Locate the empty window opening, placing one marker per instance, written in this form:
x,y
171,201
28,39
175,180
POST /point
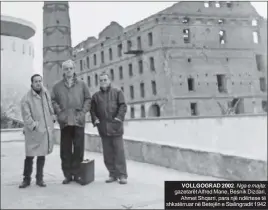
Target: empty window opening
x,y
236,106
112,74
130,70
131,92
95,59
139,42
221,81
102,57
220,21
129,45
185,20
229,4
217,4
132,112
206,4
186,35
142,90
142,111
110,54
154,88
193,107
81,65
121,72
119,50
102,44
191,86
138,29
87,62
140,66
262,84
150,39
154,111
255,37
259,61
58,21
222,36
96,80
152,66
14,47
189,60
264,106
88,81
122,88
254,22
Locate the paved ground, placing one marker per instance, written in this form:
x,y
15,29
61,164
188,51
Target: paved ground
x,y
145,189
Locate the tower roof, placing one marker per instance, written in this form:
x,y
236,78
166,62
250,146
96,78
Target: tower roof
x,y
16,27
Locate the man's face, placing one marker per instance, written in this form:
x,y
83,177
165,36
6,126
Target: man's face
x,y
37,83
104,81
68,69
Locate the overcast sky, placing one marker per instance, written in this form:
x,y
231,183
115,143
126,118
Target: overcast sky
x,y
89,18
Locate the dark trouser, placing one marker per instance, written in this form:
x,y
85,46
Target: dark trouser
x,y
71,150
28,168
114,156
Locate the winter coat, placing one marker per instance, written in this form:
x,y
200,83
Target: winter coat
x,y
106,106
71,103
37,114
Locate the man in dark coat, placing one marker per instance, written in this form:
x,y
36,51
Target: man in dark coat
x,y
71,101
108,110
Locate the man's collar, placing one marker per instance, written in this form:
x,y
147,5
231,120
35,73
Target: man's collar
x,y
107,89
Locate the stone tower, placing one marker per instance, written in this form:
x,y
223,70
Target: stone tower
x,y
57,44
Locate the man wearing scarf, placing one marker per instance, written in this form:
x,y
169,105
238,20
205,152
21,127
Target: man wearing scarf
x,y
38,116
71,101
108,112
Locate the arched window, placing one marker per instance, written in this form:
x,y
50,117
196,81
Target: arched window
x,y
154,111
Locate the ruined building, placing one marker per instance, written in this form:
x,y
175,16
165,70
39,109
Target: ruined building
x,y
57,45
193,58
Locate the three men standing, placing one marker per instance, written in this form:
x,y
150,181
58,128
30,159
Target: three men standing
x,y
71,101
108,110
37,114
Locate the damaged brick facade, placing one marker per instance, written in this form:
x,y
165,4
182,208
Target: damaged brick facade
x,y
193,58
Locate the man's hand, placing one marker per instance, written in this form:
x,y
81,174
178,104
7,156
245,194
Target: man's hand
x,y
96,122
54,118
117,119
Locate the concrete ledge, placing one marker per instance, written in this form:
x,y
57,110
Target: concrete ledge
x,y
186,160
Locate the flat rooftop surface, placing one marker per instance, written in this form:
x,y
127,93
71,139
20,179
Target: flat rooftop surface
x,y
145,188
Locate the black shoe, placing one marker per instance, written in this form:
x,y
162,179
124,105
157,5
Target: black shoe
x,y
111,179
24,184
41,183
67,180
122,180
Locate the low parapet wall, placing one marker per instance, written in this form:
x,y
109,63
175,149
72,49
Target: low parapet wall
x,y
240,145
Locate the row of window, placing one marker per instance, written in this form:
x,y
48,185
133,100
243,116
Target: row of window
x,y
221,84
111,54
154,110
218,4
222,36
121,74
30,50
